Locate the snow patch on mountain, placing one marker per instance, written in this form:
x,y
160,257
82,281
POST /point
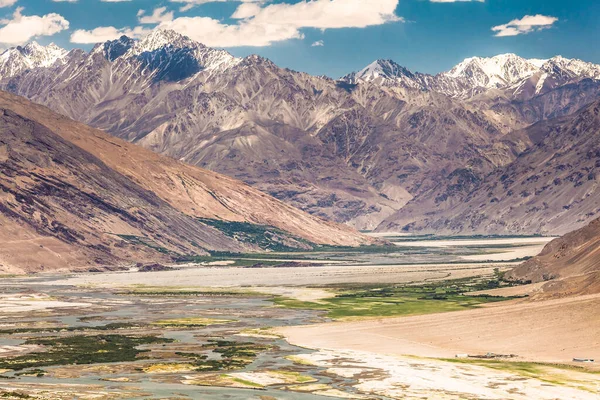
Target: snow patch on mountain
x,y
386,72
494,72
165,55
18,59
476,75
160,38
538,62
169,42
571,67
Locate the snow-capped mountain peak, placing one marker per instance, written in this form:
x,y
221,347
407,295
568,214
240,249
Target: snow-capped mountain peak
x,y
493,72
571,67
161,38
42,56
476,75
386,69
387,72
33,55
170,46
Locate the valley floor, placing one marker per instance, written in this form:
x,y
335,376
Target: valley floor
x,y
241,329
278,276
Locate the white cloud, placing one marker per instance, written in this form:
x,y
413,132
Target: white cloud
x,y
527,24
75,1
22,28
456,1
318,43
212,32
246,10
159,15
7,3
198,2
262,26
105,33
191,3
326,14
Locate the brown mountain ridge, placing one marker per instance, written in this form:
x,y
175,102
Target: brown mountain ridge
x,y
73,196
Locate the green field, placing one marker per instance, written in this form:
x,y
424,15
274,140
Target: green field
x,y
81,350
403,300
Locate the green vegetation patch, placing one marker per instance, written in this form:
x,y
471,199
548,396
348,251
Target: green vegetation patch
x,y
191,322
293,377
15,395
299,360
113,326
81,350
264,332
221,380
233,349
264,236
238,259
179,291
32,372
233,355
245,382
393,301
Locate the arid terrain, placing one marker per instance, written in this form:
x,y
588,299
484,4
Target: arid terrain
x,y
182,217
337,323
74,197
553,331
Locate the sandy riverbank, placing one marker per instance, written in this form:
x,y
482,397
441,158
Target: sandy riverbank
x,y
401,377
461,242
552,331
400,357
204,276
510,254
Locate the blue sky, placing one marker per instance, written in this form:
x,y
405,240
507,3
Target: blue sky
x,y
423,35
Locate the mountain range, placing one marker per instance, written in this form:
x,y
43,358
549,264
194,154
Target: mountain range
x,y
73,198
381,148
515,76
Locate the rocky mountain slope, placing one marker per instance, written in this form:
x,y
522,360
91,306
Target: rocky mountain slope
x,y
73,196
355,150
570,264
551,187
